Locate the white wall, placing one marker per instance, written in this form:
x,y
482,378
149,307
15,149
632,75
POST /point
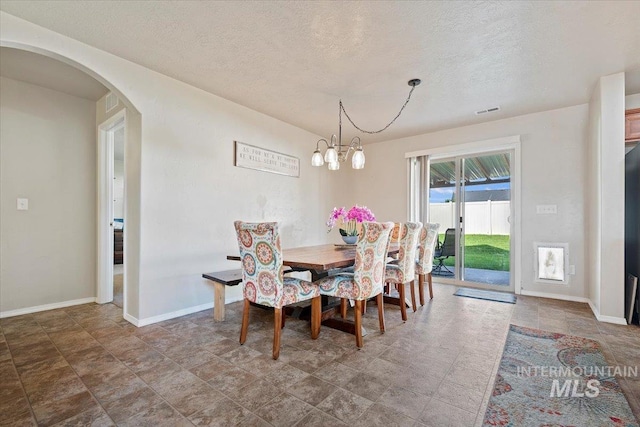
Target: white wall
x,y
47,154
132,150
190,192
183,191
632,102
553,172
118,175
118,189
605,227
593,225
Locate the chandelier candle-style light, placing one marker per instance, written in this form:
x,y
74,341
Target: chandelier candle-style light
x,y
338,152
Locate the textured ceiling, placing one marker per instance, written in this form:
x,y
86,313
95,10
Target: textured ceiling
x,y
39,70
295,60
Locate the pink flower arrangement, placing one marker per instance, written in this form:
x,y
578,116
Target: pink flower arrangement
x,y
349,219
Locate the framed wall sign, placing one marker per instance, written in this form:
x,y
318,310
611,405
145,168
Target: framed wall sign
x,y
252,157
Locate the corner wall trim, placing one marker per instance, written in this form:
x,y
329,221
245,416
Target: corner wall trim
x,y
129,318
607,319
45,307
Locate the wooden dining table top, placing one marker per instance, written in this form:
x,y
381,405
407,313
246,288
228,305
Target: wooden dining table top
x,y
320,257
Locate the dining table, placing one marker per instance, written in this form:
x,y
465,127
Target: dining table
x,y
320,261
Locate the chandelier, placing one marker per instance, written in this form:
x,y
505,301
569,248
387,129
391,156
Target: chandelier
x,y
338,152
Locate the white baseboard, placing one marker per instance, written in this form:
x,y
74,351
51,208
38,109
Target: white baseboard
x,y
172,315
555,296
129,318
166,316
45,307
607,319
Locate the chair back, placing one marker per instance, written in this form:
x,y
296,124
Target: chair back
x,y
448,247
396,231
409,234
261,257
428,239
371,255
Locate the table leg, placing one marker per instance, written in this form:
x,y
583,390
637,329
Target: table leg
x,y
331,316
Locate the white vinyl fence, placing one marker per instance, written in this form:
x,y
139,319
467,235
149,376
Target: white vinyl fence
x,y
481,217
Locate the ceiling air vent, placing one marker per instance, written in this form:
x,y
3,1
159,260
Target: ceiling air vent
x,y
488,110
111,101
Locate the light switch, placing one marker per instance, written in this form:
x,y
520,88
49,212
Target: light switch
x,y
572,270
23,204
546,209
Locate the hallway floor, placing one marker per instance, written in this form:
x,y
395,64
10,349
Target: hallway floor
x,y
85,364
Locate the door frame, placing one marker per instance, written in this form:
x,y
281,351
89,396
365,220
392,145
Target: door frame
x,y
105,174
509,143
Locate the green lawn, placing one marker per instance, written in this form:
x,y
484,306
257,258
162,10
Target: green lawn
x,y
486,252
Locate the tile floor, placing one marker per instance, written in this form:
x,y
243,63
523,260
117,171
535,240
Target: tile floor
x,y
84,365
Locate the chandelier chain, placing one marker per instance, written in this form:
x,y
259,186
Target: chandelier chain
x,y
342,110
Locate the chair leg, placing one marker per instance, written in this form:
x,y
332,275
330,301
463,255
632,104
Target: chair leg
x,y
380,303
421,288
343,307
277,330
364,306
245,321
429,279
403,303
413,296
358,322
316,317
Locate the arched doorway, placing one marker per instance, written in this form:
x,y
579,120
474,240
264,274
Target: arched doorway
x,y
57,297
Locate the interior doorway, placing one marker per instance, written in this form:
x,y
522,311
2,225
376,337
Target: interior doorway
x,y
118,213
111,210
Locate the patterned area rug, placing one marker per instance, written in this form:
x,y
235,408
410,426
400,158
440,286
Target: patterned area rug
x,y
549,379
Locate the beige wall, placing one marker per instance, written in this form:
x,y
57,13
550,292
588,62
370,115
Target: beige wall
x,y
553,172
183,191
593,226
47,154
132,149
605,204
118,189
632,101
190,192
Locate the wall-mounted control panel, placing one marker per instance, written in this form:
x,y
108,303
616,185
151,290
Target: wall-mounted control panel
x,y
23,204
546,209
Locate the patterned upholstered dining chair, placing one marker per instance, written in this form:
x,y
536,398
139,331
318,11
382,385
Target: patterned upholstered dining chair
x,y
367,278
263,281
424,263
403,270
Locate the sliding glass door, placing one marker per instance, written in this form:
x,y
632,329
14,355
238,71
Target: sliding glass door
x,y
470,197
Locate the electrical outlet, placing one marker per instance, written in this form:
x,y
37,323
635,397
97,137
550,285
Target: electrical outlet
x,y
23,204
546,209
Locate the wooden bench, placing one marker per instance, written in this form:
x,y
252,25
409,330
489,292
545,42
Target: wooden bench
x,y
220,280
